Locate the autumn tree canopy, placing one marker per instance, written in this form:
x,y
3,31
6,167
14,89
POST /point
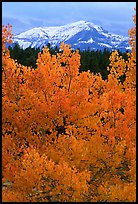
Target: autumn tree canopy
x,y
66,135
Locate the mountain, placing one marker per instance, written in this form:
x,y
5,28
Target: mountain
x,y
81,34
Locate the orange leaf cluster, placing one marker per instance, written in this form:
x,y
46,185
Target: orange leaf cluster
x,y
68,136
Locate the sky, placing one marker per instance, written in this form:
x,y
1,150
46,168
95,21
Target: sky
x,y
115,17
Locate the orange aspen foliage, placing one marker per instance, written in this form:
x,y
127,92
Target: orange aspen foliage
x,y
68,136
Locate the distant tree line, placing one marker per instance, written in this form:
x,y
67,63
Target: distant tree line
x,y
25,57
95,61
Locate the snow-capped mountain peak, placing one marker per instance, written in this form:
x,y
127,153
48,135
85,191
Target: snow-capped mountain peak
x,y
80,34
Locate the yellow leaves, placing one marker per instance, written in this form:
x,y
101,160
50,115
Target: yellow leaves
x,y
123,192
65,47
12,196
132,34
120,147
36,168
6,37
66,134
117,191
117,64
103,191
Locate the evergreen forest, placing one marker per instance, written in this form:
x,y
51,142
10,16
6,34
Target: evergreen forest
x,y
95,61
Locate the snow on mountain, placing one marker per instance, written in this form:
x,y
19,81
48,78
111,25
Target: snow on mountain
x,y
80,34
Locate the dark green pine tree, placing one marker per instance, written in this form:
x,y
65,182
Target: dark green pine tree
x,y
95,61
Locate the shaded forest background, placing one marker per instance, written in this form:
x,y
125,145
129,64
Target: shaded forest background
x,y
95,61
